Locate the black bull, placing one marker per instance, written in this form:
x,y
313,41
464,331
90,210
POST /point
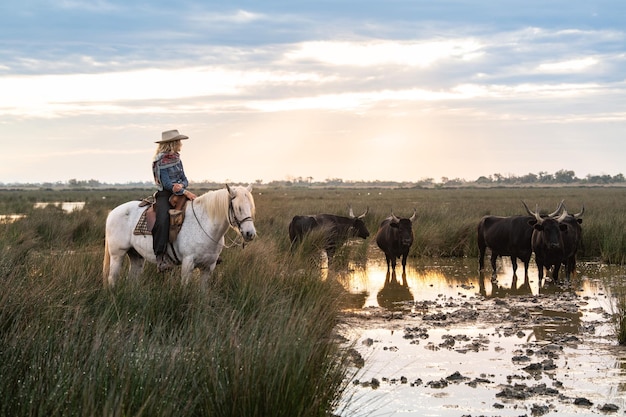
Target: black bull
x,y
508,236
555,241
336,230
394,238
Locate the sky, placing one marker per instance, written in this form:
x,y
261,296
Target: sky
x,y
394,90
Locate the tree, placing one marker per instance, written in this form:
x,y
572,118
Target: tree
x,y
564,177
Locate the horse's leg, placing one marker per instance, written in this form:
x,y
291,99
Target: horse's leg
x,y
136,264
115,266
205,274
186,269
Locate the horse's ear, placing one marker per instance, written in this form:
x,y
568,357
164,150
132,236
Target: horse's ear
x,y
232,192
249,188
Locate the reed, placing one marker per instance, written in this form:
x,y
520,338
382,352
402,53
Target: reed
x,y
620,319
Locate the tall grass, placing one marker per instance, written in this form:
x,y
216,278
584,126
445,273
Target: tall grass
x,y
257,342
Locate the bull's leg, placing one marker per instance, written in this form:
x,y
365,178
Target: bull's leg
x,y
393,263
514,264
494,257
330,252
555,272
404,264
481,258
389,263
540,271
570,267
526,262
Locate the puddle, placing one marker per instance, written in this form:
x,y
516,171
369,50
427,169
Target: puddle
x,y
445,341
10,218
66,206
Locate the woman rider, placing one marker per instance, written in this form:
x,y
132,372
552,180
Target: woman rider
x,y
170,178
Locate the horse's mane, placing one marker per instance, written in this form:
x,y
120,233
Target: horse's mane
x,y
216,202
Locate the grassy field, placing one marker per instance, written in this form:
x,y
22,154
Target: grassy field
x,y
258,342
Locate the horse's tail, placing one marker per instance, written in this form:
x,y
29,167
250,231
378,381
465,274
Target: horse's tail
x,y
106,263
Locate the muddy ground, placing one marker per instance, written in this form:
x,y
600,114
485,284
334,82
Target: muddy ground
x,y
472,351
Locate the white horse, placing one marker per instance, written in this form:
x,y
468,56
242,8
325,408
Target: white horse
x,y
199,242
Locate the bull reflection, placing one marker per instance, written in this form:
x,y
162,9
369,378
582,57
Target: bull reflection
x,y
394,293
498,291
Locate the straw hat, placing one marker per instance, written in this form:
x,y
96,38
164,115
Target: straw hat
x,y
170,136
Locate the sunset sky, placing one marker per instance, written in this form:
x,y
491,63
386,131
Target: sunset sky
x,y
274,90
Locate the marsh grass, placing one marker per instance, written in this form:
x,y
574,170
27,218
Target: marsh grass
x,y
257,342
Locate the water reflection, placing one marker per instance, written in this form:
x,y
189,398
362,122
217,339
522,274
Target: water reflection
x,y
501,291
431,278
394,293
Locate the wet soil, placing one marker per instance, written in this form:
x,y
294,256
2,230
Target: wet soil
x,y
444,340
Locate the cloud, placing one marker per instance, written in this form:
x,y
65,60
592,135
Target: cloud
x,y
572,65
377,52
235,17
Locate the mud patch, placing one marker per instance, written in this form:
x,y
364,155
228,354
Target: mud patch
x,y
456,349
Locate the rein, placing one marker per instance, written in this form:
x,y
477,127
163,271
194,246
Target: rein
x,y
232,218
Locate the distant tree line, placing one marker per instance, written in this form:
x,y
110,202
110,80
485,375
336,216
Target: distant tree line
x,y
561,177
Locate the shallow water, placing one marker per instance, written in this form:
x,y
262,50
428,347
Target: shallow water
x,y
66,206
417,332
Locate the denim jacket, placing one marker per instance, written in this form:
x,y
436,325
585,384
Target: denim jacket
x,y
168,170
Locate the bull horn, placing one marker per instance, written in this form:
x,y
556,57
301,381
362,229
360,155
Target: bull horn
x,y
366,211
558,209
578,215
351,213
414,214
562,216
393,216
530,213
537,216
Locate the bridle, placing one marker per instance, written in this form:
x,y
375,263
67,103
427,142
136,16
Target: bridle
x,y
232,217
232,221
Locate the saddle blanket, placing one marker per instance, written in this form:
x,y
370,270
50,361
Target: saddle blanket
x,y
142,225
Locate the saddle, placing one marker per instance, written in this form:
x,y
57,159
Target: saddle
x,y
148,217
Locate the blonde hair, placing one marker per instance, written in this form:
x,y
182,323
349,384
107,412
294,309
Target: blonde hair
x,y
168,147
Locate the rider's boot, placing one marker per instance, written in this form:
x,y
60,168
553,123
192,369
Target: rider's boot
x,y
163,263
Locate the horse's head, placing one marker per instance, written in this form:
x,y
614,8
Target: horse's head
x,y
241,210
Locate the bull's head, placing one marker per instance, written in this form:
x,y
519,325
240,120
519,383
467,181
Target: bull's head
x,y
397,219
404,227
556,212
577,216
